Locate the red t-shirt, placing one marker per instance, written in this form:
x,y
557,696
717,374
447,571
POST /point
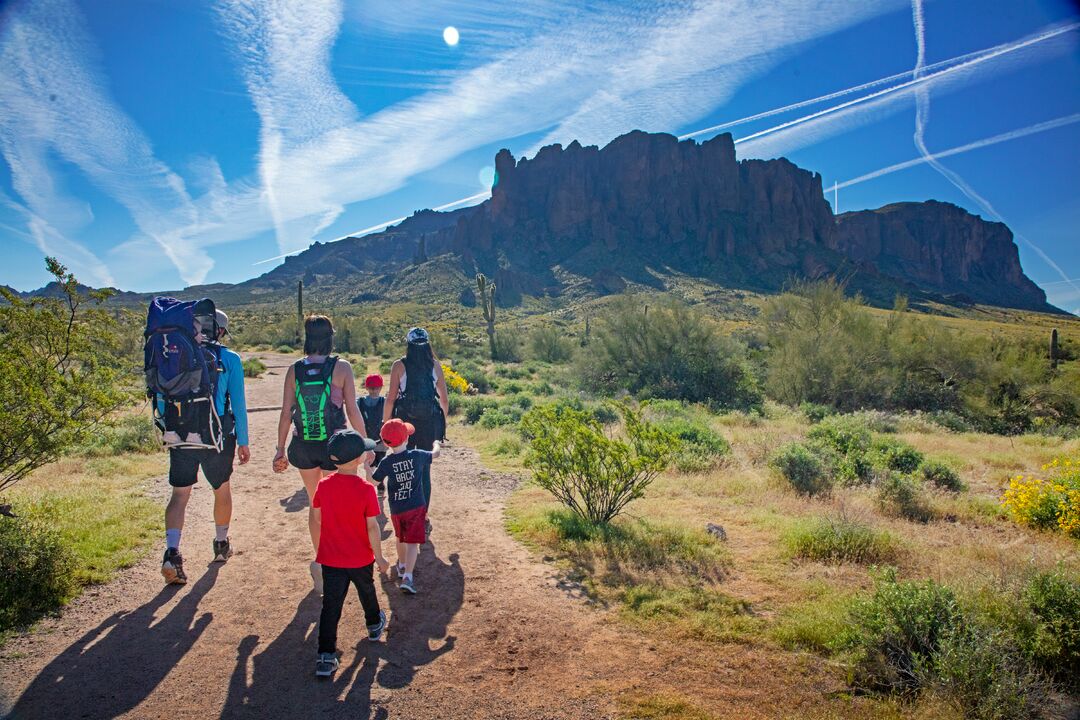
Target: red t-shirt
x,y
346,502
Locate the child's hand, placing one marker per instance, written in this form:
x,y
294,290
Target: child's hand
x,y
281,463
384,566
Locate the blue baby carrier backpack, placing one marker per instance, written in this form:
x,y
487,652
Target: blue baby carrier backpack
x,y
182,371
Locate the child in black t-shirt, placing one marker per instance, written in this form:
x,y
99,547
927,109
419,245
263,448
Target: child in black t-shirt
x,y
371,410
404,470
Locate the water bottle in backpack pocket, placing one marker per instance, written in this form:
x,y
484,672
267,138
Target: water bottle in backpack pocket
x,y
181,375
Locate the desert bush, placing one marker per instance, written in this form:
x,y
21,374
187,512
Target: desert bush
x,y
128,434
843,444
475,376
893,454
878,421
1053,598
253,367
543,388
508,447
549,345
901,496
511,372
700,447
839,540
289,349
816,412
473,408
64,368
36,572
592,473
940,475
670,351
1050,503
802,468
507,348
952,421
500,416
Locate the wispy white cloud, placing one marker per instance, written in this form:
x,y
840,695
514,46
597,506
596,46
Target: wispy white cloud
x,y
54,105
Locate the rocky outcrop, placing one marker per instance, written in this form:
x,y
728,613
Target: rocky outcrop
x,y
646,204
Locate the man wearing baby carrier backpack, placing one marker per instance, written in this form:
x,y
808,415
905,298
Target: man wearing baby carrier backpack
x,y
210,435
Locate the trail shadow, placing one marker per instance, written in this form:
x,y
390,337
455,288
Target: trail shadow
x,y
296,502
117,665
282,680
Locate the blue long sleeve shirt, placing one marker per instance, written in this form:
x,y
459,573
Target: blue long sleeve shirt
x,y
231,382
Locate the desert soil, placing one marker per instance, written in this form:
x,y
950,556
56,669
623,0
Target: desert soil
x,y
493,633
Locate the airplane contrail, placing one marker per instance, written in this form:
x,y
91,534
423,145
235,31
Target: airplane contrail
x,y
950,65
990,54
388,223
985,142
922,113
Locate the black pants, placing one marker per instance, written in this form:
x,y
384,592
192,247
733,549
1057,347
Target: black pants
x,y
335,588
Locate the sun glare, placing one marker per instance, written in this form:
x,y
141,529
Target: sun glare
x,y
450,35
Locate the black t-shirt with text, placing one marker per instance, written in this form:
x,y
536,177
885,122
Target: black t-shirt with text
x,y
404,473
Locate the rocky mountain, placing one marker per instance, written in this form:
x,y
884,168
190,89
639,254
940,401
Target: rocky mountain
x,y
647,205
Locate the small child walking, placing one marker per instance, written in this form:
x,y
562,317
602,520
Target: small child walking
x,y
349,544
371,410
405,470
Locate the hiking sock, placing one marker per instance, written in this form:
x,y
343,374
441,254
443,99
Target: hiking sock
x,y
408,576
221,533
172,538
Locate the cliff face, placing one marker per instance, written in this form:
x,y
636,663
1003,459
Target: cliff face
x,y
648,203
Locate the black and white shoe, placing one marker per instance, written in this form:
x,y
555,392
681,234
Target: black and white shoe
x,y
222,550
172,568
374,632
326,664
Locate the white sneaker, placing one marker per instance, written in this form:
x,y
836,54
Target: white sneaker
x,y
170,438
316,578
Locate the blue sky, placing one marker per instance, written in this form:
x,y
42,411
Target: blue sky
x,y
152,144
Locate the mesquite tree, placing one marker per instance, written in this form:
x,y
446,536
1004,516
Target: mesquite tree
x,y
487,304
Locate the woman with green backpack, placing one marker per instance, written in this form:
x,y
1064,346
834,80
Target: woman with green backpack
x,y
319,394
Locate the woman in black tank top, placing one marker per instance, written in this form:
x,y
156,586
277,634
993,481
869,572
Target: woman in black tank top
x,y
418,391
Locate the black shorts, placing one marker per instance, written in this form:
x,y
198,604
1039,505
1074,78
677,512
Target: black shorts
x,y
310,454
428,430
217,466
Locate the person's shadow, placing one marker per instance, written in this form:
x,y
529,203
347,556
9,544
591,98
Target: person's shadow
x,y
283,682
296,502
117,665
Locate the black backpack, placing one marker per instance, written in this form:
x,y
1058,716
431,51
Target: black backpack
x,y
419,400
314,416
373,415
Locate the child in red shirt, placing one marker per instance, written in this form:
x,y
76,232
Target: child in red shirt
x,y
349,544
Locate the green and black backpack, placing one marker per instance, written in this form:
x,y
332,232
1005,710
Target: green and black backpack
x,y
314,416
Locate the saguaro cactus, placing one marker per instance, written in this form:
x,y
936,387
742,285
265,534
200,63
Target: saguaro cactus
x,y
1053,349
299,311
487,304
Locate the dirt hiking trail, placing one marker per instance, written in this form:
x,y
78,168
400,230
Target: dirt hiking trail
x,y
493,633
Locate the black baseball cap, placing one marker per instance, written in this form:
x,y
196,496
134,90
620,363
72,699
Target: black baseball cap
x,y
347,445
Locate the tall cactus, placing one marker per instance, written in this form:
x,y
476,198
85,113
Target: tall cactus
x,y
299,311
1054,349
487,304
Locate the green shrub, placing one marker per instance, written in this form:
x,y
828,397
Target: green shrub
x,y
839,540
593,474
474,407
670,351
1054,600
604,413
543,388
898,630
511,372
550,345
385,366
289,350
507,447
900,496
951,421
940,475
816,412
253,367
522,401
843,443
801,467
893,454
507,348
129,434
36,572
700,447
500,416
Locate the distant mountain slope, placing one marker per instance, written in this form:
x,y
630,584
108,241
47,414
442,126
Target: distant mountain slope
x,y
648,203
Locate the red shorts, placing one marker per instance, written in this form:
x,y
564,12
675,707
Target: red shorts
x,y
411,525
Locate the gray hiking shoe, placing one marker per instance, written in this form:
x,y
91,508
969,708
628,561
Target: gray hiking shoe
x,y
326,664
172,568
374,632
407,586
222,550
